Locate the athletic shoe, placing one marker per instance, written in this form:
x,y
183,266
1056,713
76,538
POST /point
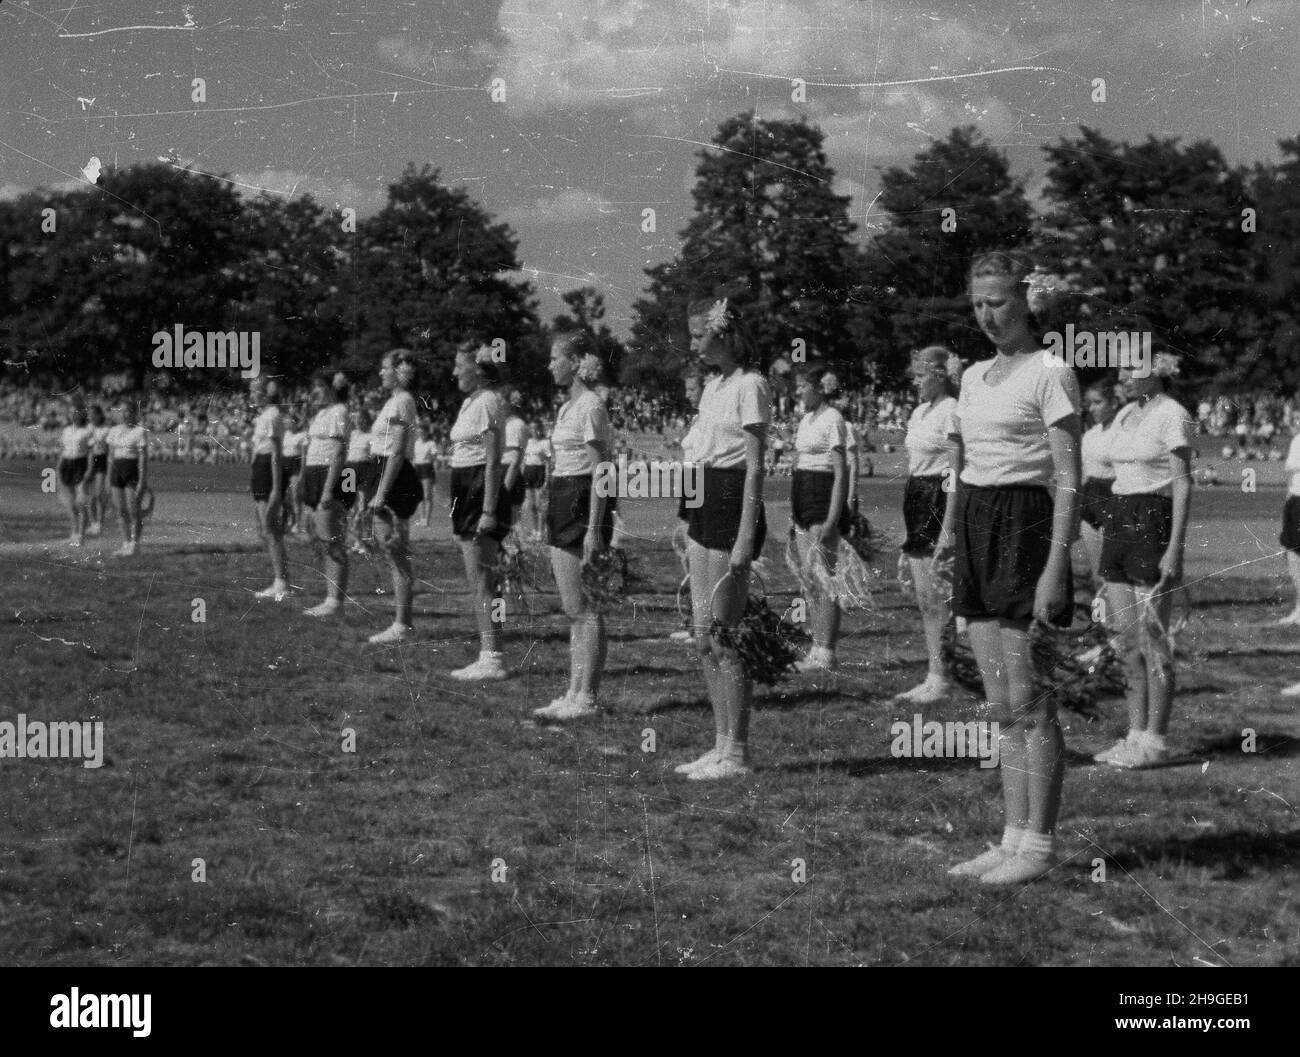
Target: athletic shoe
x,y
74,541
1290,691
710,757
488,666
1127,756
935,690
981,864
394,633
1089,657
818,660
124,551
1291,618
1017,870
577,706
277,592
719,768
326,609
682,636
1109,755
96,528
1142,756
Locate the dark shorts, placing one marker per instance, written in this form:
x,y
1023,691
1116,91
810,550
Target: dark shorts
x,y
406,494
72,471
568,511
467,504
290,466
1290,538
125,473
99,464
715,524
534,477
1096,502
924,503
1136,538
313,488
1004,538
516,494
424,471
260,484
363,479
810,499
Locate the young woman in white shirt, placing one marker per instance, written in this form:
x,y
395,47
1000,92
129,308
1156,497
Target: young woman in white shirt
x,y
819,501
128,449
1016,433
538,453
726,532
480,509
74,464
397,489
580,522
363,479
935,373
269,482
1096,499
514,436
693,387
1290,535
1151,446
95,486
293,445
324,489
425,450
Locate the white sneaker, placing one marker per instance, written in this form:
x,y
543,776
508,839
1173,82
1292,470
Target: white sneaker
x,y
1018,869
719,768
392,634
682,636
1290,691
326,609
1115,751
124,551
1291,618
710,757
488,666
818,660
276,592
981,864
577,706
935,690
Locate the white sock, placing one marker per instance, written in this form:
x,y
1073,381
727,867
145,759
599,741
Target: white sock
x,y
1012,838
1154,740
1037,846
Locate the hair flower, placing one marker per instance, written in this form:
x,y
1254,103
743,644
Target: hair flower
x,y
589,368
830,384
1044,287
1165,365
719,318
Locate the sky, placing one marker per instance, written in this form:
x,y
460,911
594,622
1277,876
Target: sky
x,y
601,105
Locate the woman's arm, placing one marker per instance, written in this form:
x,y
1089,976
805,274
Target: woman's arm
x,y
838,493
742,554
1171,566
1063,439
956,462
492,471
335,470
593,544
397,438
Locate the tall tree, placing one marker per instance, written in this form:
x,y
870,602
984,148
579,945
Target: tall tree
x,y
765,216
1275,250
587,312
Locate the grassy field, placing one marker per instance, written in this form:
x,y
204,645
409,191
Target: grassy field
x,y
460,832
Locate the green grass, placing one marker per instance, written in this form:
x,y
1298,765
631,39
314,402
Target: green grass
x,y
224,743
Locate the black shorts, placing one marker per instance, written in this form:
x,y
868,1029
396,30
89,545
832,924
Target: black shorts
x,y
467,504
363,479
313,488
534,477
73,471
715,524
99,464
260,484
924,503
406,494
1136,539
1004,538
516,493
568,512
810,499
1096,502
125,473
424,471
1290,537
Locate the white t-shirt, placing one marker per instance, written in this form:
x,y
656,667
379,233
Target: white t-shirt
x,y
126,442
537,452
729,405
1003,428
1293,466
516,435
478,414
820,433
268,428
580,421
928,428
99,439
76,441
398,413
425,450
327,435
293,443
691,442
1094,451
358,446
1141,441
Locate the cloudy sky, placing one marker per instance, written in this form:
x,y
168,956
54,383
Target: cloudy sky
x,y
606,101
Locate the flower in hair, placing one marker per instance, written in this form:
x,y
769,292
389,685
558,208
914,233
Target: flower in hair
x,y
589,368
1044,286
719,318
954,367
1165,366
830,384
484,354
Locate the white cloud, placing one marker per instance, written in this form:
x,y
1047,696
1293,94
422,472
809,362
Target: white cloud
x,y
574,206
328,191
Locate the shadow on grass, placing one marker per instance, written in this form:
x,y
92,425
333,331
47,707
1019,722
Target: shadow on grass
x,y
865,766
1269,745
1236,854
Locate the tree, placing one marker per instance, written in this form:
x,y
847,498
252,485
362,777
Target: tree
x,y
955,201
1275,251
586,312
765,217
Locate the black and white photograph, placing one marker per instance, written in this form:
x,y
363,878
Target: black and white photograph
x,y
658,483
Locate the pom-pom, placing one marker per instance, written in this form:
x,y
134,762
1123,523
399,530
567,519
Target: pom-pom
x,y
768,645
589,369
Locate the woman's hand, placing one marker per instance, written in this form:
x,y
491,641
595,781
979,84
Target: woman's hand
x,y
944,547
904,569
378,504
592,545
1049,596
486,523
1171,568
742,554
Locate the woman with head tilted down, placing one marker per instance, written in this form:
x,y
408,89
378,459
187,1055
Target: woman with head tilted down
x,y
538,453
726,533
580,520
1016,433
480,508
1150,448
1096,499
397,489
324,491
292,445
96,483
925,498
269,481
819,502
74,465
128,448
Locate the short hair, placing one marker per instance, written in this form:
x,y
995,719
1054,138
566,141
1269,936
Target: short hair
x,y
405,363
576,343
1105,387
1012,265
814,372
336,382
